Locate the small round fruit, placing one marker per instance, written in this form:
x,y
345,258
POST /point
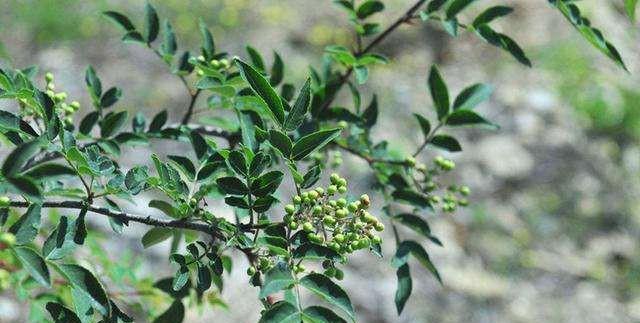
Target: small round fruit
x,y
48,77
201,58
313,195
317,209
339,238
364,199
289,208
334,178
320,190
307,226
4,200
293,225
251,271
297,199
342,189
7,239
75,105
332,189
376,240
342,182
352,207
341,202
329,220
193,202
464,190
410,161
379,226
342,213
339,274
343,124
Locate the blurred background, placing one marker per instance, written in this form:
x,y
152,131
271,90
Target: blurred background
x,y
552,231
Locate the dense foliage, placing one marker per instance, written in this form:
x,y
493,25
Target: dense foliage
x,y
281,130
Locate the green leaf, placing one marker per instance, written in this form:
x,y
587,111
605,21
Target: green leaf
x,y
281,312
110,97
238,162
48,171
410,247
319,314
369,8
412,197
82,306
158,121
27,226
280,141
204,278
113,123
311,177
446,142
425,125
88,122
169,45
300,107
152,23
439,92
119,19
362,74
175,313
155,236
93,83
185,165
435,5
277,70
470,97
10,121
370,114
276,279
267,183
61,314
35,265
26,187
232,185
415,223
630,6
263,89
312,142
276,245
256,58
404,287
503,41
466,117
133,37
322,286
456,6
60,242
208,44
86,283
19,157
490,14
165,207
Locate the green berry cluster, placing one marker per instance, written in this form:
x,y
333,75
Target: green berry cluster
x,y
452,197
342,226
204,68
62,107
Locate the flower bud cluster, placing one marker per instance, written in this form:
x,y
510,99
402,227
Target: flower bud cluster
x,y
332,221
203,65
453,196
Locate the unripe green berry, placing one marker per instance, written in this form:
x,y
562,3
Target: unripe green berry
x,y
364,242
290,208
334,178
342,124
200,72
313,195
251,271
297,199
329,220
341,202
339,238
293,225
201,58
215,63
8,239
307,226
464,190
410,161
75,105
48,77
421,167
342,182
335,246
369,218
376,240
364,199
463,202
317,209
320,190
51,86
339,274
352,207
50,93
332,189
61,96
224,62
193,202
342,189
342,213
379,226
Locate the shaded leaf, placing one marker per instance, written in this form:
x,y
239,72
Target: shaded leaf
x,y
322,286
34,264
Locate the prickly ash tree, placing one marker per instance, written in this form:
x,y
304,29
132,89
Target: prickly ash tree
x,y
293,243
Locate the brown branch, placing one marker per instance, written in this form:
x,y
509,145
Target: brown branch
x,y
189,113
126,217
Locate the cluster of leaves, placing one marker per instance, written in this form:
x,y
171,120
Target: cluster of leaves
x,y
57,165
